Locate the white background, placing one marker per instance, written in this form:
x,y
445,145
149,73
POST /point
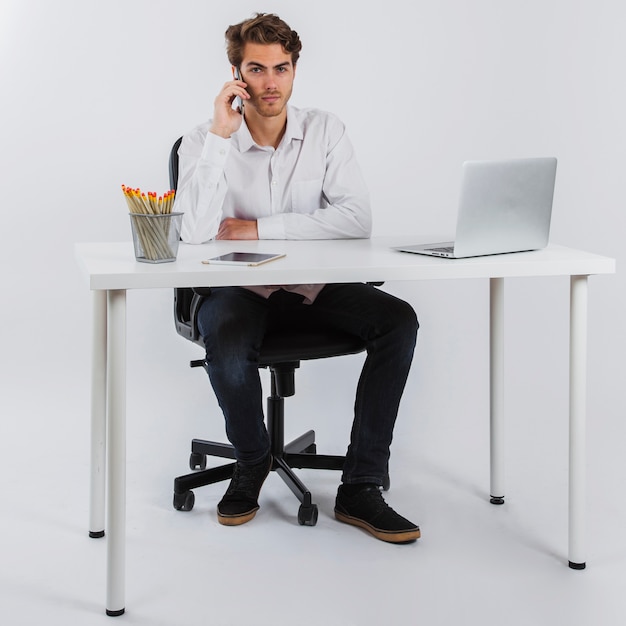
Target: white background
x,y
93,95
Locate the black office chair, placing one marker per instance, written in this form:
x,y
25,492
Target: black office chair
x,y
281,352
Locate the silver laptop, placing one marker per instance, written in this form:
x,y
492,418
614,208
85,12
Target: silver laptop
x,y
504,206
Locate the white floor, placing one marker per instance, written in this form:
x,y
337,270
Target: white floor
x,y
476,563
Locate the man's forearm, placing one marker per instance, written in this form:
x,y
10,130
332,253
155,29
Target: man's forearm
x,y
232,228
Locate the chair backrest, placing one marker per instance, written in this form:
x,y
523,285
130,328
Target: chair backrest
x,y
173,164
186,301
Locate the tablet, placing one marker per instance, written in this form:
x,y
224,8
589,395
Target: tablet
x,y
243,258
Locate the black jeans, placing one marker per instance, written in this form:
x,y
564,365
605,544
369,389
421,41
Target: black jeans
x,y
233,321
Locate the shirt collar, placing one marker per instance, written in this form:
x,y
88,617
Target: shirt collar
x,y
243,138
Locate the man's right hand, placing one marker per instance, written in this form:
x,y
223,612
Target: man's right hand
x,y
227,120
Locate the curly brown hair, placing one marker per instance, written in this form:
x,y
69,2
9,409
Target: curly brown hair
x,y
263,28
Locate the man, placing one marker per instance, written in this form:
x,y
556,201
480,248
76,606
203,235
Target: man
x,y
262,169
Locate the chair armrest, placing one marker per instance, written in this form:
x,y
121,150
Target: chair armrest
x,y
186,306
196,301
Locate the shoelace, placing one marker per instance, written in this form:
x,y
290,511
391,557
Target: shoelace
x,y
375,499
245,481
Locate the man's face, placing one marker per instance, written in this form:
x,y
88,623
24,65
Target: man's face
x,y
268,72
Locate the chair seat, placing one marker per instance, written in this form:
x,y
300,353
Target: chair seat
x,y
299,345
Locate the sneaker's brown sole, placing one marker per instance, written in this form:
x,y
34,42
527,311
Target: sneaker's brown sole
x,y
236,520
393,536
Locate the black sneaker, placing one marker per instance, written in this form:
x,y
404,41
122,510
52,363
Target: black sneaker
x,y
240,502
367,509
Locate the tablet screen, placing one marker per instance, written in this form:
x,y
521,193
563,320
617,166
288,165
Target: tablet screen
x,y
243,258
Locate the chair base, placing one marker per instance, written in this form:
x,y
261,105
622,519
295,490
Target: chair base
x,y
299,453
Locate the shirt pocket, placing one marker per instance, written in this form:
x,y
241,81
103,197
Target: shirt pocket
x,y
306,195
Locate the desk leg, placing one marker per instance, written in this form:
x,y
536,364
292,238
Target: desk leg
x,y
577,419
496,379
98,413
116,453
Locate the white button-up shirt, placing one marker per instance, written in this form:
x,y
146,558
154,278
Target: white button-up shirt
x,y
310,187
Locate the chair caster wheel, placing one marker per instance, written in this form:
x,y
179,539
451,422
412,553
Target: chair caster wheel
x,y
197,461
184,501
307,515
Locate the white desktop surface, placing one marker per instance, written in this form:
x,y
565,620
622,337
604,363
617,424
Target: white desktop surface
x,y
111,270
113,266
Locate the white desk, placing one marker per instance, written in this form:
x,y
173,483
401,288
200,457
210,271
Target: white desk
x,y
111,270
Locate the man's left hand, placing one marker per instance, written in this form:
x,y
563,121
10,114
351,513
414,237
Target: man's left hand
x,y
233,228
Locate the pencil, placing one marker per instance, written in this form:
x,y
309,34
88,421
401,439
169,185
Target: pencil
x,y
152,232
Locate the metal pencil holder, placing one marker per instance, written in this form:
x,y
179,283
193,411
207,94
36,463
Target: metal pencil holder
x,y
156,237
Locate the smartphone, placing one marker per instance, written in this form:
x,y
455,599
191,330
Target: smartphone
x,y
238,102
